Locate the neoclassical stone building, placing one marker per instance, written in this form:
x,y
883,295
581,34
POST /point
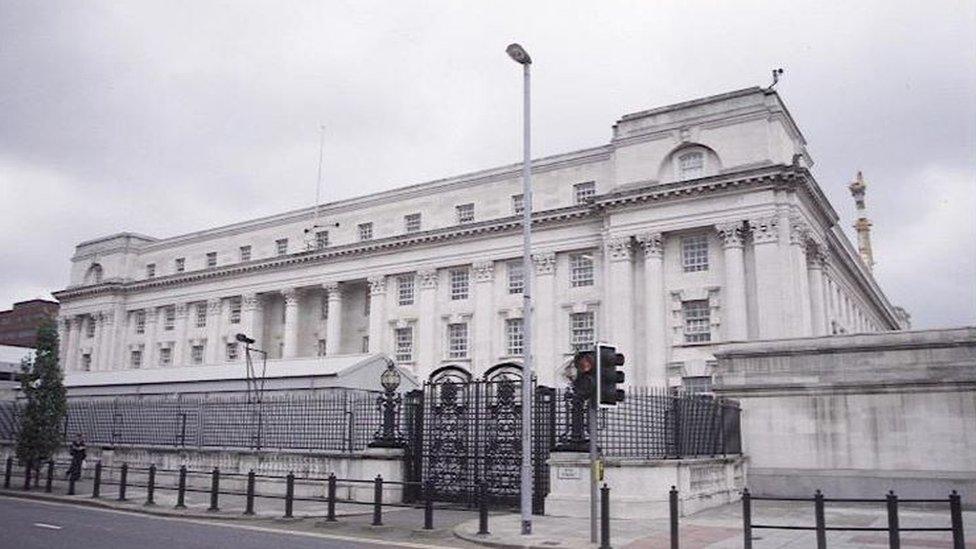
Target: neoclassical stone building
x,y
697,224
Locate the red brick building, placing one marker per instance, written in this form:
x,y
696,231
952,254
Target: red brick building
x,y
18,326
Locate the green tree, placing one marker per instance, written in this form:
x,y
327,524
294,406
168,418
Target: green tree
x,y
42,384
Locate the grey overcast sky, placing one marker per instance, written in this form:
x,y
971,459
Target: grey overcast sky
x,y
169,117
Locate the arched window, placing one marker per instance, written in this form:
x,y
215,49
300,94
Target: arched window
x,y
94,274
691,165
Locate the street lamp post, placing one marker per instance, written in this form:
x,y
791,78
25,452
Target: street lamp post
x,y
519,55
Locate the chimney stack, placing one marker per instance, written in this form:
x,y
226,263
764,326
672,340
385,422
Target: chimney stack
x,y
862,225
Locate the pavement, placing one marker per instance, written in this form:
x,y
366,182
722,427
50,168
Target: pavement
x,y
717,528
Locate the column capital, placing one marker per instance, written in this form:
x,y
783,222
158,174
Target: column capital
x,y
291,296
764,229
182,310
484,271
427,278
731,233
816,258
333,289
618,248
377,284
799,230
545,263
213,305
652,244
251,302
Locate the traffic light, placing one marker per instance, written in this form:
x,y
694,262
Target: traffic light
x,y
608,376
584,374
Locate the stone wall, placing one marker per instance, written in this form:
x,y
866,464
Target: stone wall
x,y
857,415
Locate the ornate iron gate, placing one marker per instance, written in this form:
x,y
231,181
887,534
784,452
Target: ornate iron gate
x,y
467,435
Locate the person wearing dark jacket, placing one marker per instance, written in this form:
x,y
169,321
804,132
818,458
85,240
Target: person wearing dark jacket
x,y
78,455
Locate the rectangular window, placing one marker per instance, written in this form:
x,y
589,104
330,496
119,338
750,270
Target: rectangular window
x,y
514,336
324,305
691,165
696,384
235,310
516,277
518,204
86,362
411,223
211,259
169,318
180,264
90,327
201,313
165,356
231,351
140,322
365,231
459,284
364,346
320,347
405,287
196,354
322,239
465,213
583,192
580,270
582,334
404,345
697,322
245,252
135,359
457,340
281,246
151,270
694,253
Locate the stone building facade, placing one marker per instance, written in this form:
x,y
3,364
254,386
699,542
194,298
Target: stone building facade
x,y
698,223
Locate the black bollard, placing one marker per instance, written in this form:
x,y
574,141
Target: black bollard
x,y
746,519
428,505
673,505
50,476
27,476
605,517
894,537
181,489
289,494
71,485
820,520
249,505
482,511
8,472
123,479
955,511
151,486
214,489
332,498
97,482
37,475
378,501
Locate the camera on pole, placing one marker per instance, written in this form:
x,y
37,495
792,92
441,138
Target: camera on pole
x,y
609,377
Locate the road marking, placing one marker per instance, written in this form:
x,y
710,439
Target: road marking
x,y
48,526
365,541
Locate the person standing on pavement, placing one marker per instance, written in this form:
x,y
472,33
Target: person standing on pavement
x,y
78,455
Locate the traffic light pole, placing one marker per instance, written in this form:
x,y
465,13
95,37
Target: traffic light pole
x,y
594,481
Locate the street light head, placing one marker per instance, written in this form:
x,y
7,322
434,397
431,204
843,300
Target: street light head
x,y
519,54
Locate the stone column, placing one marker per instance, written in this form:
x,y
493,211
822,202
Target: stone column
x,y
333,324
253,320
96,343
771,307
544,351
655,335
799,234
815,269
291,322
620,289
427,349
117,357
377,313
107,342
180,353
214,345
149,354
74,337
736,320
484,276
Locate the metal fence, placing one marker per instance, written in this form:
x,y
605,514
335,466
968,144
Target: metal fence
x,y
655,423
331,420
